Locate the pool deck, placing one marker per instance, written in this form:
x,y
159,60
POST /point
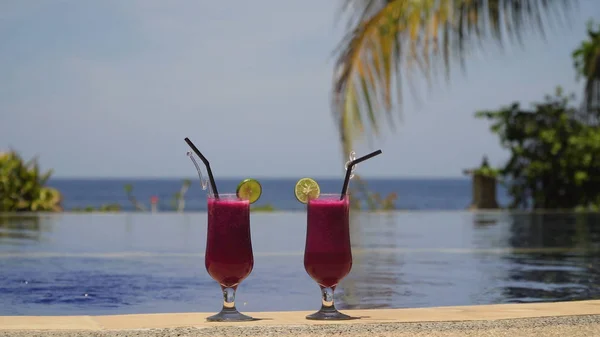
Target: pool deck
x,y
577,318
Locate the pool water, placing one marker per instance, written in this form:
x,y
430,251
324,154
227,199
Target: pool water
x,y
88,264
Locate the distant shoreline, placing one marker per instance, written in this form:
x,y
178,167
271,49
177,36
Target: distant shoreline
x,y
278,212
462,178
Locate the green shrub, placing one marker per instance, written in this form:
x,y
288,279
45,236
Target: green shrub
x,y
263,208
554,162
103,208
22,186
360,192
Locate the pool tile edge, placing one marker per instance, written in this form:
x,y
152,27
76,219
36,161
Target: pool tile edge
x,y
373,316
48,323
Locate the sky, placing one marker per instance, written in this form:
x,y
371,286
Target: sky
x,y
111,88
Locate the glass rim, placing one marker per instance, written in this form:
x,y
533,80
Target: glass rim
x,y
338,194
224,195
331,195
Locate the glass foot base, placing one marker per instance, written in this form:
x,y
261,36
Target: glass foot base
x,y
329,314
229,315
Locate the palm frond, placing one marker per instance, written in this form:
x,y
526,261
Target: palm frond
x,y
592,87
389,41
587,64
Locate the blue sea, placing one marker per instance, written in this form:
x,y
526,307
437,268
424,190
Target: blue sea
x,y
413,194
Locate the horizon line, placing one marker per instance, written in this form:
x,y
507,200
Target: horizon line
x,y
254,177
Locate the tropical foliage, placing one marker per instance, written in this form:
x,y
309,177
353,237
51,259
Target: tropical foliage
x,y
587,64
113,207
555,157
390,41
555,161
178,201
129,192
361,197
22,186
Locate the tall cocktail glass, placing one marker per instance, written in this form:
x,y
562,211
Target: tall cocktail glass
x,y
229,258
328,255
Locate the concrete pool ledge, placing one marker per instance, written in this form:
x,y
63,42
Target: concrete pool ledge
x,y
296,318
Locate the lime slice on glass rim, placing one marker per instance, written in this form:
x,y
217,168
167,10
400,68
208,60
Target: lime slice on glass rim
x,y
305,189
249,189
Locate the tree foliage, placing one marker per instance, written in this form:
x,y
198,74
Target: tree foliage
x,y
555,157
22,186
586,59
390,41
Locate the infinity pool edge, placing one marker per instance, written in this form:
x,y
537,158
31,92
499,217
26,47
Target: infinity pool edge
x,y
295,318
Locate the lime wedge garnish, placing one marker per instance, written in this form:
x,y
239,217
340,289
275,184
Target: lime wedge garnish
x,y
249,189
305,189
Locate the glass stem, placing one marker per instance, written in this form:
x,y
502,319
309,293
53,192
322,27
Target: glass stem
x,y
327,299
229,299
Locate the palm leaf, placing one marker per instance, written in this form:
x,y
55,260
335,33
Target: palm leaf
x,y
586,60
389,41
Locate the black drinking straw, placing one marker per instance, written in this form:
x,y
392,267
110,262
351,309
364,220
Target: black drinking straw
x,y
349,170
207,164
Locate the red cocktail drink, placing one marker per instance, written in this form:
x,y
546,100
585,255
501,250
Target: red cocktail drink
x,y
229,258
328,255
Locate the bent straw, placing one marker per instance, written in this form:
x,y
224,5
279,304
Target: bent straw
x,y
207,164
349,170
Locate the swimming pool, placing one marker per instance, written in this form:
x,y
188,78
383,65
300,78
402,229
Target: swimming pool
x,y
79,264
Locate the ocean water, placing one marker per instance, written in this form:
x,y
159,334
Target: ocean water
x,y
413,194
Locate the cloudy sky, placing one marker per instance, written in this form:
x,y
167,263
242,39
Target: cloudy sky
x,y
110,89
